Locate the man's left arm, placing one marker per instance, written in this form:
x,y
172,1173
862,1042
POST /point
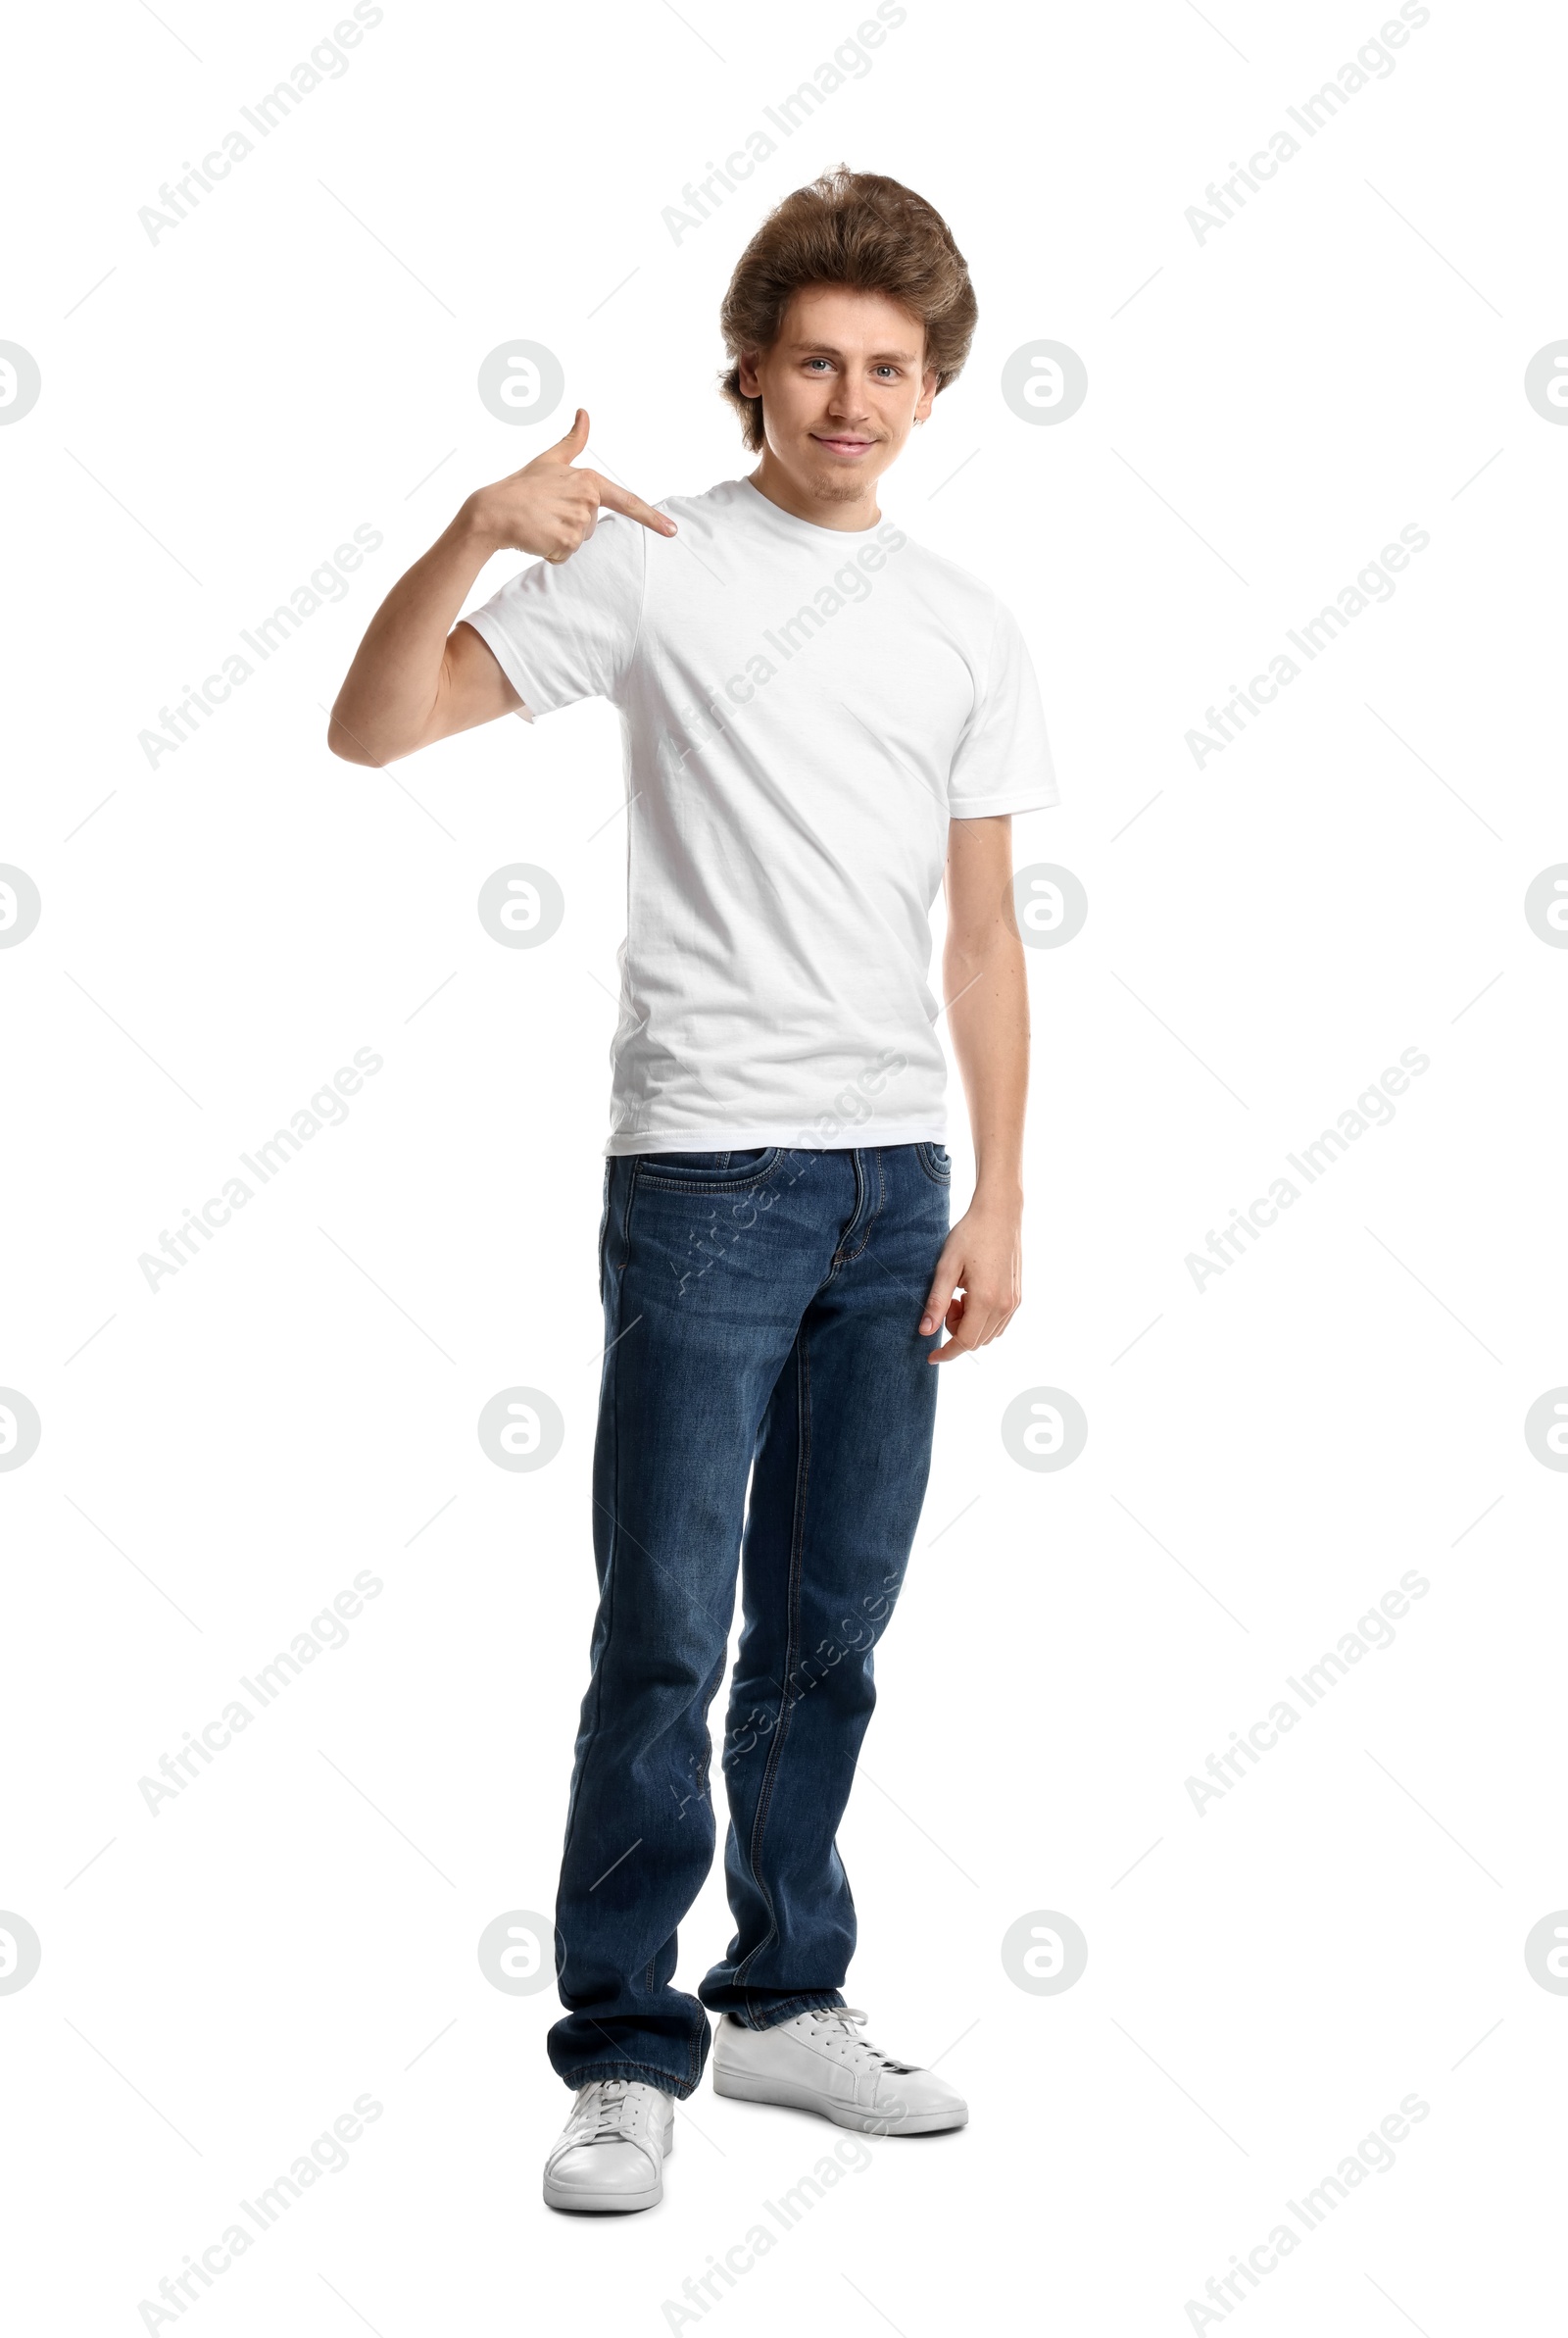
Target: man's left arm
x,y
978,1281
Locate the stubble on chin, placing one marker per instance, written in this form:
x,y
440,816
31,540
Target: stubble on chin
x,y
837,488
831,485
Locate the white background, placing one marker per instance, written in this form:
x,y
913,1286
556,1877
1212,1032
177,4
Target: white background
x,y
218,935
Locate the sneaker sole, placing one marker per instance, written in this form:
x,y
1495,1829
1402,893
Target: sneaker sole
x,y
601,2204
788,2096
606,2204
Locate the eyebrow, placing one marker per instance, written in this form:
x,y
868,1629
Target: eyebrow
x,y
828,349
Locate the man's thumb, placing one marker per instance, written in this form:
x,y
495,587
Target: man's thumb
x,y
937,1302
567,449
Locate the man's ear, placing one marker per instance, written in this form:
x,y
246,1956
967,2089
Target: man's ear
x,y
927,397
751,387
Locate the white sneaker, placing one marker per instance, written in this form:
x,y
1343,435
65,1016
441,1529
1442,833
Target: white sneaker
x,y
820,2061
611,2151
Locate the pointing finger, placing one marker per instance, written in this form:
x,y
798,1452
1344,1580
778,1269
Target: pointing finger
x,y
621,499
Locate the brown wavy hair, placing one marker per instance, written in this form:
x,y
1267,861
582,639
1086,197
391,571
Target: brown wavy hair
x,y
847,227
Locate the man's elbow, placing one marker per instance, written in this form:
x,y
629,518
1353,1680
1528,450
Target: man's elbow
x,y
343,745
348,742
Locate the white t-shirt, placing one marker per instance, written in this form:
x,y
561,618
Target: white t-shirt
x,y
803,710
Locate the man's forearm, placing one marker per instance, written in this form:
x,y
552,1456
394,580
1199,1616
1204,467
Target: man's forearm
x,y
408,684
988,1016
390,692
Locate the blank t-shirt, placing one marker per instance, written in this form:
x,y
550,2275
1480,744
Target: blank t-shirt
x,y
803,710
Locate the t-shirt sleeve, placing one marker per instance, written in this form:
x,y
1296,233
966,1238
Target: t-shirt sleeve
x,y
1002,762
564,631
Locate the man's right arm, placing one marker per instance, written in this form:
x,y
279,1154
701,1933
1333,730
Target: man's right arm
x,y
418,675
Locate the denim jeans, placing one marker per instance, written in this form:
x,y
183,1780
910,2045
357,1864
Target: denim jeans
x,y
761,1324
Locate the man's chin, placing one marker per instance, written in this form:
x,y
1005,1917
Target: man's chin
x,y
838,482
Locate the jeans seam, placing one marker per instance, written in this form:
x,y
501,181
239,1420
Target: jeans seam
x,y
805,2001
603,1235
850,1257
613,1367
840,1256
623,2066
775,1752
625,1233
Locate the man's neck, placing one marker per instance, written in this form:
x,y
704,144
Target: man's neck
x,y
850,513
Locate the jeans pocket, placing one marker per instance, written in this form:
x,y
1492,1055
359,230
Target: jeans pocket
x,y
701,1170
937,1163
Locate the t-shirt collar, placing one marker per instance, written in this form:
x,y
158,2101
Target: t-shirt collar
x,y
768,510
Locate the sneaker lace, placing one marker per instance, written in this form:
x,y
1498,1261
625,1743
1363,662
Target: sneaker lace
x,y
845,2020
607,2112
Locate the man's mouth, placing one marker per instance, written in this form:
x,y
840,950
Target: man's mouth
x,y
843,442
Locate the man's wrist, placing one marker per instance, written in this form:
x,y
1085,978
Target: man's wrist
x,y
476,526
997,1190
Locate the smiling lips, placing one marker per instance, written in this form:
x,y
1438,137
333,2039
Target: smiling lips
x,y
844,443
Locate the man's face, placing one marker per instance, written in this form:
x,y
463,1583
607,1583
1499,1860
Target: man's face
x,y
842,389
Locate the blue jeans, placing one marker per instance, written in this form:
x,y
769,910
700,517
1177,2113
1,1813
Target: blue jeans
x,y
762,1321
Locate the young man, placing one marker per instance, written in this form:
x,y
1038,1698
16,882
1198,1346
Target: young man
x,y
820,716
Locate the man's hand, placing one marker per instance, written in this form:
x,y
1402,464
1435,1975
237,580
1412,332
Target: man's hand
x,y
419,674
551,508
982,1259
